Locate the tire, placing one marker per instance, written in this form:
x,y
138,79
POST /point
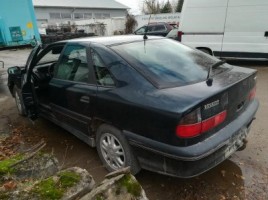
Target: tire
x,y
114,150
19,102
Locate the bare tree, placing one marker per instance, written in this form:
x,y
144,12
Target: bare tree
x,y
174,4
151,7
166,8
179,5
130,24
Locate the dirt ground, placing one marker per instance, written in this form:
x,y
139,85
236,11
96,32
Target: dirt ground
x,y
243,176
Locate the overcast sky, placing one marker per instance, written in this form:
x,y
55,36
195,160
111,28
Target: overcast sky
x,y
135,5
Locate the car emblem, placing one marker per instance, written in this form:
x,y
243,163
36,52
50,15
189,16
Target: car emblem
x,y
212,104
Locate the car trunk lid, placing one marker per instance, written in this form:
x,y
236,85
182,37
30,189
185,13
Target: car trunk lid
x,y
238,86
231,92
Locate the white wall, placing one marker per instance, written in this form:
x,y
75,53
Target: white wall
x,y
111,25
42,14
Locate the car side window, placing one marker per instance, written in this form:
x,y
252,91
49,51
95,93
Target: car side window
x,y
103,75
141,30
51,56
150,29
159,28
73,64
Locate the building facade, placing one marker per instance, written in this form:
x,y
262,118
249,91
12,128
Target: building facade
x,y
53,12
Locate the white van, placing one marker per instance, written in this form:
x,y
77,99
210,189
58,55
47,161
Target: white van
x,y
226,28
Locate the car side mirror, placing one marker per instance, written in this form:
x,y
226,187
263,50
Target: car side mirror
x,y
2,64
14,70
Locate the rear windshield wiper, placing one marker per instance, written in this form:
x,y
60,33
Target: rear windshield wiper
x,y
214,66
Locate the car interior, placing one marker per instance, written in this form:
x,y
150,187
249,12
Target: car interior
x,y
44,69
102,74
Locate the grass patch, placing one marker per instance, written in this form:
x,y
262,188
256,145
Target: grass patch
x,y
54,189
4,196
99,197
5,165
68,179
132,186
47,189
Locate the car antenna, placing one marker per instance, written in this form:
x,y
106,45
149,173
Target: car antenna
x,y
145,37
209,80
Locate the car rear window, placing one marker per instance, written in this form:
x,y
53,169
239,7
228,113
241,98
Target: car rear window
x,y
167,63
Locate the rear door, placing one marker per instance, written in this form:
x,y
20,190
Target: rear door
x,y
102,60
72,89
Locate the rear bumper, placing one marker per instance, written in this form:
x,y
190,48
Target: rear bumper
x,y
195,159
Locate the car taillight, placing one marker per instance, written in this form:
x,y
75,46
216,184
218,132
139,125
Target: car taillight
x,y
180,33
252,93
192,125
214,121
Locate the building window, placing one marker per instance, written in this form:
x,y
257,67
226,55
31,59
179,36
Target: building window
x,y
102,15
98,16
88,15
54,15
78,16
66,16
105,15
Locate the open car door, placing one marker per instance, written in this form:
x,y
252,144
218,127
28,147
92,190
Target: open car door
x,y
27,86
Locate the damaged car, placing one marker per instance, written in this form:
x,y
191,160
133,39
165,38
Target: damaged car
x,y
144,102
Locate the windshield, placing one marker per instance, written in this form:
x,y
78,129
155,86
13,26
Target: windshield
x,y
167,63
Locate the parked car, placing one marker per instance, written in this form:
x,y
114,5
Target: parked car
x,y
153,104
158,29
226,28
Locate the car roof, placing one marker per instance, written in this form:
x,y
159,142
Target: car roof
x,y
112,40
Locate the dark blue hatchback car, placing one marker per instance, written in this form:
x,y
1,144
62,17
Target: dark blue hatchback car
x,y
148,103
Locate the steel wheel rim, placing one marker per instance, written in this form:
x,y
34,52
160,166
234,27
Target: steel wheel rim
x,y
17,98
112,151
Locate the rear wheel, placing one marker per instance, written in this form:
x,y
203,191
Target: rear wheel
x,y
19,101
114,150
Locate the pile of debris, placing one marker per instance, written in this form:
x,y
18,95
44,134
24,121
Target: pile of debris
x,y
32,174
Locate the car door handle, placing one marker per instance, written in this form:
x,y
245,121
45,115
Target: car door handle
x,y
85,99
266,34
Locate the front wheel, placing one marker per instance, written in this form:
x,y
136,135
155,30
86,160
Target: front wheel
x,y
19,101
114,150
